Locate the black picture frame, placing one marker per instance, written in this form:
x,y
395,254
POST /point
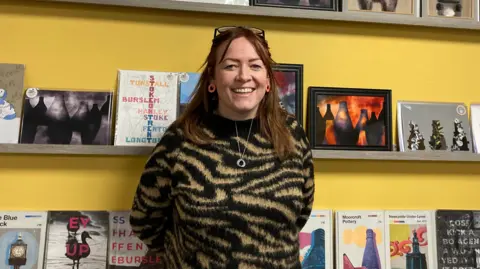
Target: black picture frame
x,y
376,134
297,70
332,5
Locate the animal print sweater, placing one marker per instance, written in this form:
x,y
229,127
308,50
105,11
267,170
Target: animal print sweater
x,y
198,209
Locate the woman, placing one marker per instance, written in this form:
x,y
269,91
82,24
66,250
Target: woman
x,y
230,185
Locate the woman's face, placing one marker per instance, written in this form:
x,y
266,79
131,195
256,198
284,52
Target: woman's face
x,y
241,80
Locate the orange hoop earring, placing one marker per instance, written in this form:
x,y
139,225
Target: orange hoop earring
x,y
268,88
211,88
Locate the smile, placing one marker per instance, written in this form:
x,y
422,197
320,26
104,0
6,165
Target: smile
x,y
243,90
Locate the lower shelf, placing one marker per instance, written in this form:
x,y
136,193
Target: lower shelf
x,y
110,150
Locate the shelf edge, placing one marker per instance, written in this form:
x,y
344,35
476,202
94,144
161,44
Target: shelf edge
x,y
110,150
60,150
297,13
396,156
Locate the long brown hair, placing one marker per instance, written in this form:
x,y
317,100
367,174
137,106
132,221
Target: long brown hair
x,y
272,116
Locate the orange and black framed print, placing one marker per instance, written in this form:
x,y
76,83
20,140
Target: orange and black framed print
x,y
384,7
350,118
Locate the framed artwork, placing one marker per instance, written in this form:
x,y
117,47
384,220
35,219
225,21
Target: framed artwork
x,y
385,8
450,9
350,118
289,79
326,5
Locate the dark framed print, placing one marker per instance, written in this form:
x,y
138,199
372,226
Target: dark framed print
x,y
326,5
289,78
350,118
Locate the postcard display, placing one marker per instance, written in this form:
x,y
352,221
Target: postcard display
x,y
368,239
361,119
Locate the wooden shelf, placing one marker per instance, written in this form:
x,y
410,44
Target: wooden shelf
x,y
99,150
35,149
397,156
368,17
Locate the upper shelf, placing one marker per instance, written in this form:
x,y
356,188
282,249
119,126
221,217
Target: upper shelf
x,y
37,149
286,13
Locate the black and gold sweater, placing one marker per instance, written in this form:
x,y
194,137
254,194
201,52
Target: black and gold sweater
x,y
198,209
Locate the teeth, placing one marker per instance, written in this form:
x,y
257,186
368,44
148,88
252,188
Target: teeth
x,y
243,90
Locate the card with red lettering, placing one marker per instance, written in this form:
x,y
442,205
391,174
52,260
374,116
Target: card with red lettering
x,y
125,250
77,239
148,102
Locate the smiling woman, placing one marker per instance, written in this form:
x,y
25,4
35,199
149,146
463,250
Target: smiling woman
x,y
230,184
241,80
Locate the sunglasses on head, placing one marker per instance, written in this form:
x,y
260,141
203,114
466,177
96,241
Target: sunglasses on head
x,y
223,29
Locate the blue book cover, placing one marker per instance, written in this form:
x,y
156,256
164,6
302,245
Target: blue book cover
x,y
188,82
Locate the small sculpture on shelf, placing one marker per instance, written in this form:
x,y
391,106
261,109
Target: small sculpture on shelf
x,y
437,140
416,141
460,142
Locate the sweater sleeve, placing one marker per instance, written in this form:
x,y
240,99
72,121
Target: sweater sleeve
x,y
150,215
309,182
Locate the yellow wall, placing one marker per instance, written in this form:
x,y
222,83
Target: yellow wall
x,y
77,46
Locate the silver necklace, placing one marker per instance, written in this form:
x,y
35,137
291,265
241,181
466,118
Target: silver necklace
x,y
241,162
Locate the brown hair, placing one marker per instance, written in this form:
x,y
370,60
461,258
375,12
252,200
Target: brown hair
x,y
272,116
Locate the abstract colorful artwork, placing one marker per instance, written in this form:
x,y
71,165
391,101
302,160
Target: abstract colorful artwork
x,y
350,118
289,78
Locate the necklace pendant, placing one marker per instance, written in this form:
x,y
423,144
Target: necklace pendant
x,y
241,163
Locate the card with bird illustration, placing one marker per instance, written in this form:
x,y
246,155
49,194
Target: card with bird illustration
x,y
77,240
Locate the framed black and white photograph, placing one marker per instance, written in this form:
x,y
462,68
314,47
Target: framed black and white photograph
x,y
289,78
325,5
350,118
67,116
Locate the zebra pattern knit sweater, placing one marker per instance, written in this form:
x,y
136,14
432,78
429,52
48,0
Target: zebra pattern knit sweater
x,y
198,209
